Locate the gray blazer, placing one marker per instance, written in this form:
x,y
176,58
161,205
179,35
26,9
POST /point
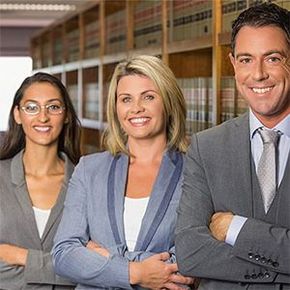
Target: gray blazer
x,y
219,176
94,210
18,227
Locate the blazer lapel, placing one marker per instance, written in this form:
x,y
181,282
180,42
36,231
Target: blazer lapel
x,y
115,189
241,174
163,189
58,207
21,192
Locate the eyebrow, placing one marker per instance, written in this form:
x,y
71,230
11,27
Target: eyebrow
x,y
265,54
145,92
49,101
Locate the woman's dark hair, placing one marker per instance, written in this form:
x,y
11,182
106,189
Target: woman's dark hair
x,y
69,139
265,14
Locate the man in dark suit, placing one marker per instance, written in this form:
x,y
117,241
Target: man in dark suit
x,y
233,228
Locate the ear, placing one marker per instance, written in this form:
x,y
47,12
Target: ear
x,y
16,115
233,61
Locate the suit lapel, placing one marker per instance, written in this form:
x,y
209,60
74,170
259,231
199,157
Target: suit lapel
x,y
241,174
21,192
163,189
116,189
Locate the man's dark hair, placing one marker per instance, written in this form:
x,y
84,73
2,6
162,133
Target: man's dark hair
x,y
266,14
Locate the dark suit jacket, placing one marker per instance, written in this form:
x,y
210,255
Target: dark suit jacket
x,y
219,176
94,210
18,227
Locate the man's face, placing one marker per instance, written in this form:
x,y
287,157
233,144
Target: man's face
x,y
262,73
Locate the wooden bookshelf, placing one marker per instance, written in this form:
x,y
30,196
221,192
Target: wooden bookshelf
x,y
191,36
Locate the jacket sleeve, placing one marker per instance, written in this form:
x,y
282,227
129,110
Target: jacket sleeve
x,y
198,253
70,256
39,270
265,245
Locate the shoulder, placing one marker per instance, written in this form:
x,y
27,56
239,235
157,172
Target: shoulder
x,y
96,162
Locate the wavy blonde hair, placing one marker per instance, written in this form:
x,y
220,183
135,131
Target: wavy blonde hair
x,y
114,139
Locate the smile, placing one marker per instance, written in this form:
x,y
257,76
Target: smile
x,y
42,129
138,121
262,90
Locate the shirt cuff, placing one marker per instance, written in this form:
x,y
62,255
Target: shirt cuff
x,y
234,229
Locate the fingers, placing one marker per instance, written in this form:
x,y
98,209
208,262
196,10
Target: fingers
x,y
177,278
163,256
173,286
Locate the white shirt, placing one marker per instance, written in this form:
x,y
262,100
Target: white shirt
x,y
41,217
134,210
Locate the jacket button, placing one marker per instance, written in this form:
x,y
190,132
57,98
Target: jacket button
x,y
257,257
260,275
250,255
269,261
267,275
263,260
247,277
275,264
254,276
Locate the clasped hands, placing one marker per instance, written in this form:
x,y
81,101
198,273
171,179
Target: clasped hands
x,y
153,272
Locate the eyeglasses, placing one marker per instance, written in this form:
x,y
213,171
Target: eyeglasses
x,y
34,108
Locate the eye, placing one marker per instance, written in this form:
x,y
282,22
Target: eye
x,y
274,59
125,99
31,108
149,97
54,108
245,60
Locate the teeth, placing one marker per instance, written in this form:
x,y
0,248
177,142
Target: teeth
x,y
42,129
261,90
138,120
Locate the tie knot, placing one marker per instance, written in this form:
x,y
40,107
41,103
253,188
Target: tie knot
x,y
269,136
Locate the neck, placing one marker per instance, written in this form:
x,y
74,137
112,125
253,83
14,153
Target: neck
x,y
271,121
147,151
42,160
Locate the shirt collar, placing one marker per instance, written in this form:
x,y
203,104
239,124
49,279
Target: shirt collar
x,y
255,124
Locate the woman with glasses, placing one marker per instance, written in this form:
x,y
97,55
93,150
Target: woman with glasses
x,y
117,229
37,156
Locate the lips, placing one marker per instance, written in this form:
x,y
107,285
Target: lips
x,y
139,121
42,128
262,90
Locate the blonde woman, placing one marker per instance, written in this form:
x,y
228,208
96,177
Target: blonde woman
x,y
119,218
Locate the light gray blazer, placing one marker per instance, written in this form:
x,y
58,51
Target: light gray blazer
x,y
18,227
219,175
94,211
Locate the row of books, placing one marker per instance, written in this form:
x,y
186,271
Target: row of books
x,y
73,45
147,24
92,39
91,101
232,104
198,96
116,32
232,8
190,19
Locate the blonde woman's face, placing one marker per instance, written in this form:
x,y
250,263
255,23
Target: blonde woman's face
x,y
140,108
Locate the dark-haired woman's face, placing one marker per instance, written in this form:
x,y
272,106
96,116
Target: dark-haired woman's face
x,y
41,113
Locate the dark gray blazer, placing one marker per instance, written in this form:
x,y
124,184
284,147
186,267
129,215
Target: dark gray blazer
x,y
94,210
219,176
18,227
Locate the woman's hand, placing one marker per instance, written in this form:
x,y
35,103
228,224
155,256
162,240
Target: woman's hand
x,y
98,249
13,255
155,273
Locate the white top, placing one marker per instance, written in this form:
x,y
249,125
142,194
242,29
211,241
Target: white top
x,y
134,210
41,217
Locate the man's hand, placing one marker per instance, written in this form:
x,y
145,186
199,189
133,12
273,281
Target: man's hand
x,y
219,225
13,255
98,249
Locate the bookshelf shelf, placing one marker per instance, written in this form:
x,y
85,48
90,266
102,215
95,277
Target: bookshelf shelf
x,y
191,36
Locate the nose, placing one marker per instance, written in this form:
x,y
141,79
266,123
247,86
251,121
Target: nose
x,y
260,72
43,114
137,107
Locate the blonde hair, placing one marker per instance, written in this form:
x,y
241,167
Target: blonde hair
x,y
114,139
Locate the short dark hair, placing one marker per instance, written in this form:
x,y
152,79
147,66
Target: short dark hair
x,y
265,14
69,139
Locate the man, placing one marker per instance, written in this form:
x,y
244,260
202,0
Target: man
x,y
233,228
